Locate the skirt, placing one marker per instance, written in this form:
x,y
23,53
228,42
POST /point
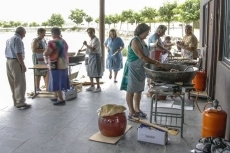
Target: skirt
x,y
58,80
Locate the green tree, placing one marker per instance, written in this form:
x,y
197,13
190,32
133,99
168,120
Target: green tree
x,y
88,19
189,11
77,16
108,21
114,19
149,14
138,18
11,24
45,23
16,24
122,19
97,21
6,25
56,20
127,15
25,24
33,24
167,13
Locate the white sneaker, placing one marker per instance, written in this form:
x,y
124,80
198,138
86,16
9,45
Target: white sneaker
x,y
97,90
90,88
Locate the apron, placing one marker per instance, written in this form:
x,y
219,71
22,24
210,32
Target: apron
x,y
133,80
187,54
94,68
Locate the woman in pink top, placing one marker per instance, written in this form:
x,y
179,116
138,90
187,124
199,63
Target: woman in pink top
x,y
57,51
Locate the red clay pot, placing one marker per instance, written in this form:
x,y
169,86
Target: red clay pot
x,y
112,126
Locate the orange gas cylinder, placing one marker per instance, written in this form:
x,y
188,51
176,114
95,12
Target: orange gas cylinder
x,y
214,121
199,81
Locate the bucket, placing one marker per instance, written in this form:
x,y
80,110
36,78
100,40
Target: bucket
x,y
156,55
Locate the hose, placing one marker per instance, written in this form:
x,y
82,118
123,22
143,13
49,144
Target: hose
x,y
198,92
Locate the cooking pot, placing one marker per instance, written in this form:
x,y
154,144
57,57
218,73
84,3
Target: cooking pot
x,y
184,75
76,59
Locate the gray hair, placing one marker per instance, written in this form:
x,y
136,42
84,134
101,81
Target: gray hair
x,y
188,26
141,28
20,29
161,28
56,31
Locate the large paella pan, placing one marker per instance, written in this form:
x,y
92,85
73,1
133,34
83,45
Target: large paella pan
x,y
184,73
182,61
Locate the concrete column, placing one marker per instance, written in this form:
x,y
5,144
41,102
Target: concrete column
x,y
102,29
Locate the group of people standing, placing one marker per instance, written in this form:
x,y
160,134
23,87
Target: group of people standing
x,y
139,53
55,55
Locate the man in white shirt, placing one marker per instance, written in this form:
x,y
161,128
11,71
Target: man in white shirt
x,y
16,68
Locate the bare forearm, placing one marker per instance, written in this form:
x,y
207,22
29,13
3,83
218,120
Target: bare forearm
x,y
20,58
161,47
83,50
106,47
91,48
146,59
121,48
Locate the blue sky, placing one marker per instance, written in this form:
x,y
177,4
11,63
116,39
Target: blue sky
x,y
41,10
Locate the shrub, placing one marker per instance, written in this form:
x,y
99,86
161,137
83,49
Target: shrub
x,y
73,28
125,51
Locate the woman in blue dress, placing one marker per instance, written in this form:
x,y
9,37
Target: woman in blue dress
x,y
114,45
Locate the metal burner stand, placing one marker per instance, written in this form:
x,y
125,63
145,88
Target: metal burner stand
x,y
171,119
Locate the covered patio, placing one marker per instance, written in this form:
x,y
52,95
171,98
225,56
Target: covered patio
x,y
66,129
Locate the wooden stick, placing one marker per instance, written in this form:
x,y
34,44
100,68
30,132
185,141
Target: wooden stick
x,y
79,50
171,131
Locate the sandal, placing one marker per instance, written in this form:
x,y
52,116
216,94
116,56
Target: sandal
x,y
131,116
141,114
110,76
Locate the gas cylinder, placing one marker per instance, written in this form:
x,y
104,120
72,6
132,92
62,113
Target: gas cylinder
x,y
214,121
199,81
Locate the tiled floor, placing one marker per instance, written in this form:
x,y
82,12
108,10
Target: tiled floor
x,y
66,129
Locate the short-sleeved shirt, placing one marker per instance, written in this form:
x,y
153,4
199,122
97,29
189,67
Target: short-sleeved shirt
x,y
59,53
95,43
153,39
190,41
115,44
14,45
